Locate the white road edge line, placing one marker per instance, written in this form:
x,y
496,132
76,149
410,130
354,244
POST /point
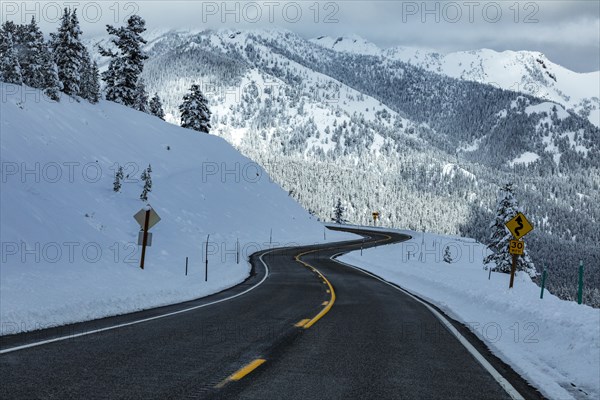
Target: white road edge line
x,y
508,388
108,328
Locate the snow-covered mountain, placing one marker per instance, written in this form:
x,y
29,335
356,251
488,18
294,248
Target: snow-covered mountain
x,y
69,242
528,72
427,150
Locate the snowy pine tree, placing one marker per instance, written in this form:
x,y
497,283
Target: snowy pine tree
x,y
141,97
10,68
127,62
147,183
194,111
118,179
69,53
33,71
338,212
506,209
156,107
52,85
447,255
90,85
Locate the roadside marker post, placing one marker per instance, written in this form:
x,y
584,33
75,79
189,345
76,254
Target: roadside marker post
x,y
206,260
580,286
544,273
186,266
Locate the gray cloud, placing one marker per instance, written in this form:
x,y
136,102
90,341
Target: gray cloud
x,y
568,32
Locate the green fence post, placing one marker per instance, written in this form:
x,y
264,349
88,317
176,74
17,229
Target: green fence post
x,y
580,289
544,273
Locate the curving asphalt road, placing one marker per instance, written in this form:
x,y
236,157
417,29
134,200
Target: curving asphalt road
x,y
311,329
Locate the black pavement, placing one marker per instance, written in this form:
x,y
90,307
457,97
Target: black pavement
x,y
374,342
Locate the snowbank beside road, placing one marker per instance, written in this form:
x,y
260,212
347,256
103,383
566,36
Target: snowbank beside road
x,y
554,344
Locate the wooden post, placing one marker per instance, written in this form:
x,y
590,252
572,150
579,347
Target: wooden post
x,y
145,238
512,270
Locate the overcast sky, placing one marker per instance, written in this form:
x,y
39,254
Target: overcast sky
x,y
568,32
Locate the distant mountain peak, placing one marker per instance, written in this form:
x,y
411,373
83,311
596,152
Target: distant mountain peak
x,y
350,43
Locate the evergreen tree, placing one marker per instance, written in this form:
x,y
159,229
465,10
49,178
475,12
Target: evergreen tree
x,y
127,62
118,179
506,209
90,85
52,85
338,212
69,53
141,97
447,255
194,110
156,107
33,71
10,68
147,183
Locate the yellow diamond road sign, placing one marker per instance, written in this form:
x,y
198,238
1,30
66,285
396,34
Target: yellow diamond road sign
x,y
140,217
519,226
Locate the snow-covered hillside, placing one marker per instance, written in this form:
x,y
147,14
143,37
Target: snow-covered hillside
x,y
69,243
528,72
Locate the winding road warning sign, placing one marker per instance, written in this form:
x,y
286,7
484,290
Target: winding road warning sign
x,y
519,226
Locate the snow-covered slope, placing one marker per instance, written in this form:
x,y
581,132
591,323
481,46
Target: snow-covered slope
x,y
528,72
69,243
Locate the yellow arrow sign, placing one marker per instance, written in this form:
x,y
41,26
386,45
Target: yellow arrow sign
x,y
519,226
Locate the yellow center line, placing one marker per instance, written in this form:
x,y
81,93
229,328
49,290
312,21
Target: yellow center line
x,y
247,369
305,323
301,323
242,372
328,305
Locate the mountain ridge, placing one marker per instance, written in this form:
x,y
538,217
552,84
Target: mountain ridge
x,y
525,71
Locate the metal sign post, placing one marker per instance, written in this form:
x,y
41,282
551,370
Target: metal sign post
x,y
145,239
146,218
